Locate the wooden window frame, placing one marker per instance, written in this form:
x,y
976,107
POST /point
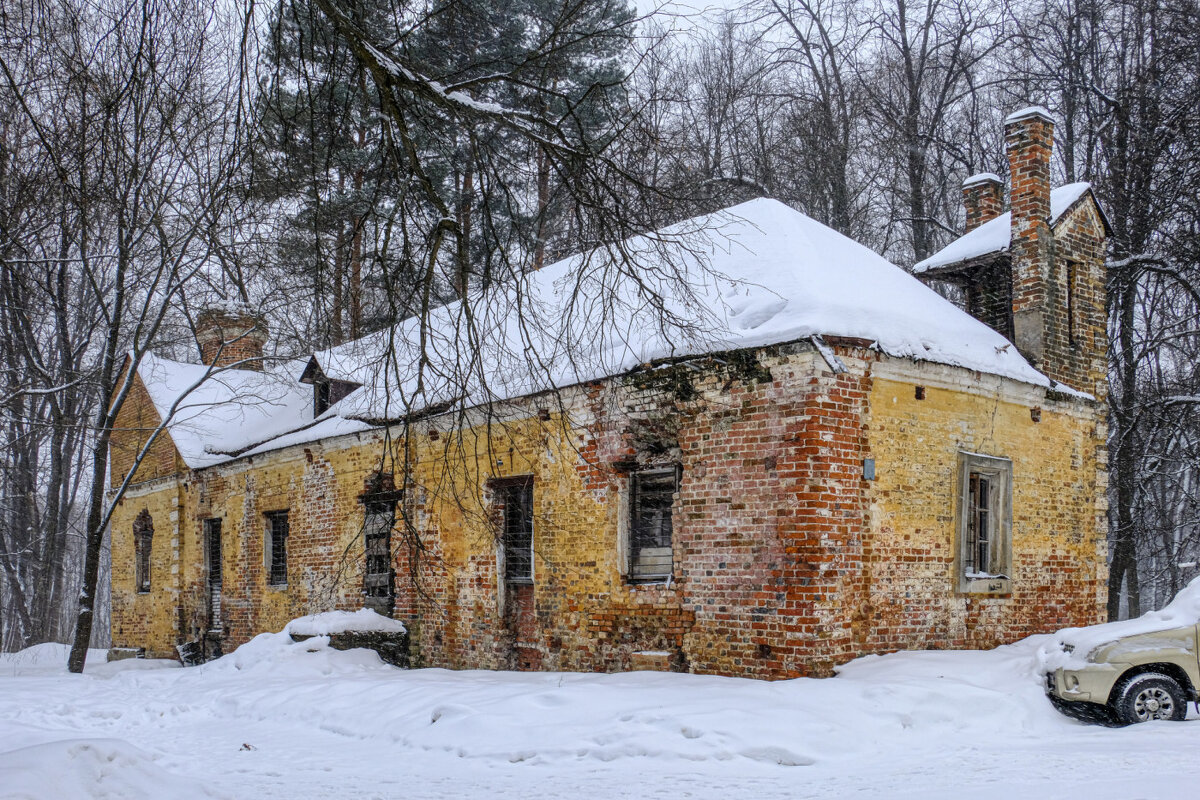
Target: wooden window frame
x,y
634,548
212,600
376,503
503,490
143,544
275,547
973,470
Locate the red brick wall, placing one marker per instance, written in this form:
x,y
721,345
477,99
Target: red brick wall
x,y
231,339
983,200
787,562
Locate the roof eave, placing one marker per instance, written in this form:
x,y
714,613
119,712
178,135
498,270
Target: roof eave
x,y
311,371
945,272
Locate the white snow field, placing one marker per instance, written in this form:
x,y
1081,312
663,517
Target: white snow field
x,y
281,720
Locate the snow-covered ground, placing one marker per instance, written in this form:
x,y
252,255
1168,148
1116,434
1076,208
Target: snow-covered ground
x,y
282,720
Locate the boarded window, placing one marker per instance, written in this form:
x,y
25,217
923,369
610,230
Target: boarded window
x,y
984,523
143,537
275,547
378,575
651,498
212,558
515,499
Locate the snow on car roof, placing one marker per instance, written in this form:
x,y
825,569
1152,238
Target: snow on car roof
x,y
1182,611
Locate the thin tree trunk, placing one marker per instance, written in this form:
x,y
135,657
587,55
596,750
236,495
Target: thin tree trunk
x,y
1123,570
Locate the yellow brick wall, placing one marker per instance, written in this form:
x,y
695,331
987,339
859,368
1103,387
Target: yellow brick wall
x,y
136,420
147,619
788,561
1058,526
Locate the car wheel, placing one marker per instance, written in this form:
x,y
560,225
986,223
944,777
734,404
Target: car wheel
x,y
1150,695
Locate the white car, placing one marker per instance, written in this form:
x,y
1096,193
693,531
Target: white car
x,y
1131,671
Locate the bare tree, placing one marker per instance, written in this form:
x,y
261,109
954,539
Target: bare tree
x,y
929,57
132,108
1124,77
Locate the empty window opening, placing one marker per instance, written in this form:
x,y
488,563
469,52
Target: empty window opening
x,y
1072,276
328,392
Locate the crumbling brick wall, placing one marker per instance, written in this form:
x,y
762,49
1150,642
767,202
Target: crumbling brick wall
x,y
788,560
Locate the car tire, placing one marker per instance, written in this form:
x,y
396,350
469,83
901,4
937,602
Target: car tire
x,y
1147,696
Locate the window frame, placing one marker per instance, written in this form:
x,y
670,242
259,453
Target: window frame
x,y
632,548
272,539
997,578
212,528
143,544
372,504
502,489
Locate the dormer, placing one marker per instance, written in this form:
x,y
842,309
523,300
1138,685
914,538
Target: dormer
x,y
326,391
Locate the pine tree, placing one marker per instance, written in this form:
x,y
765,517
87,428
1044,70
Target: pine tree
x,y
327,155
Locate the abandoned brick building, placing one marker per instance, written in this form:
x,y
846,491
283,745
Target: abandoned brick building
x,y
828,459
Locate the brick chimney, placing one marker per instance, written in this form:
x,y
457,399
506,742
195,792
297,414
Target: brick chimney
x,y
1029,139
983,198
228,336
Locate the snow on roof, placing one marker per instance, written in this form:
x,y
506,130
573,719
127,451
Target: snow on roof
x,y
756,274
994,236
1029,111
223,411
982,177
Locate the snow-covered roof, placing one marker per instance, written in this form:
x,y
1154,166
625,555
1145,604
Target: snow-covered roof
x,y
982,177
220,412
1029,111
756,274
994,236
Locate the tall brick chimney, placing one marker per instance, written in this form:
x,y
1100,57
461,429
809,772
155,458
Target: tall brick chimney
x,y
1029,138
228,336
983,198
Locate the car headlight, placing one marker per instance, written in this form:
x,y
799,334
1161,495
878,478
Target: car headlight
x,y
1070,682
